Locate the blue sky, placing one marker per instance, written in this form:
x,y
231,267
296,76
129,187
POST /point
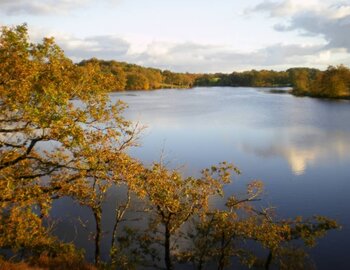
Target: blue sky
x,y
193,35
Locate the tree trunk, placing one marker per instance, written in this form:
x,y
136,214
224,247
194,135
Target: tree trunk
x,y
97,215
268,261
168,263
221,265
119,214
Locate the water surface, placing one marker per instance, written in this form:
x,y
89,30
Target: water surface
x,y
299,147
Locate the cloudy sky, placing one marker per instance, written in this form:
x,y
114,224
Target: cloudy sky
x,y
192,35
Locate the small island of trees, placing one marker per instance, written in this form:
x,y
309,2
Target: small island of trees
x,y
51,149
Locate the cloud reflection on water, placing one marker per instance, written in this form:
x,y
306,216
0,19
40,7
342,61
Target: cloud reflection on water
x,y
315,147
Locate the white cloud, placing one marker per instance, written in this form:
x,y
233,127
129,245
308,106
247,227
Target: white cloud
x,y
44,7
328,19
195,57
186,56
39,7
286,7
102,47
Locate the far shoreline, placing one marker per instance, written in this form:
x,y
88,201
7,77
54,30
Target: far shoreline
x,y
272,90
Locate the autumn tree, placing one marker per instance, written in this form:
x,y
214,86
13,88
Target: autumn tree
x,y
174,199
118,74
300,80
137,81
334,82
59,135
118,82
154,77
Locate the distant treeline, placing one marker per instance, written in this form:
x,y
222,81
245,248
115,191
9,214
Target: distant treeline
x,y
134,77
253,78
332,83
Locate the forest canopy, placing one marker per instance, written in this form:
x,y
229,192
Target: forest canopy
x,y
134,77
61,137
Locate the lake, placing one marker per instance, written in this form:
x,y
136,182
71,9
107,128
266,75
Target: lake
x,y
299,147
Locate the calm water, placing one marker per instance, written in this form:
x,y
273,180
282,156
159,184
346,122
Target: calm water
x,y
299,147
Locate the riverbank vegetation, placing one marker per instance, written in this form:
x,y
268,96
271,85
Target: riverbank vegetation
x,y
331,83
61,138
134,77
253,78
